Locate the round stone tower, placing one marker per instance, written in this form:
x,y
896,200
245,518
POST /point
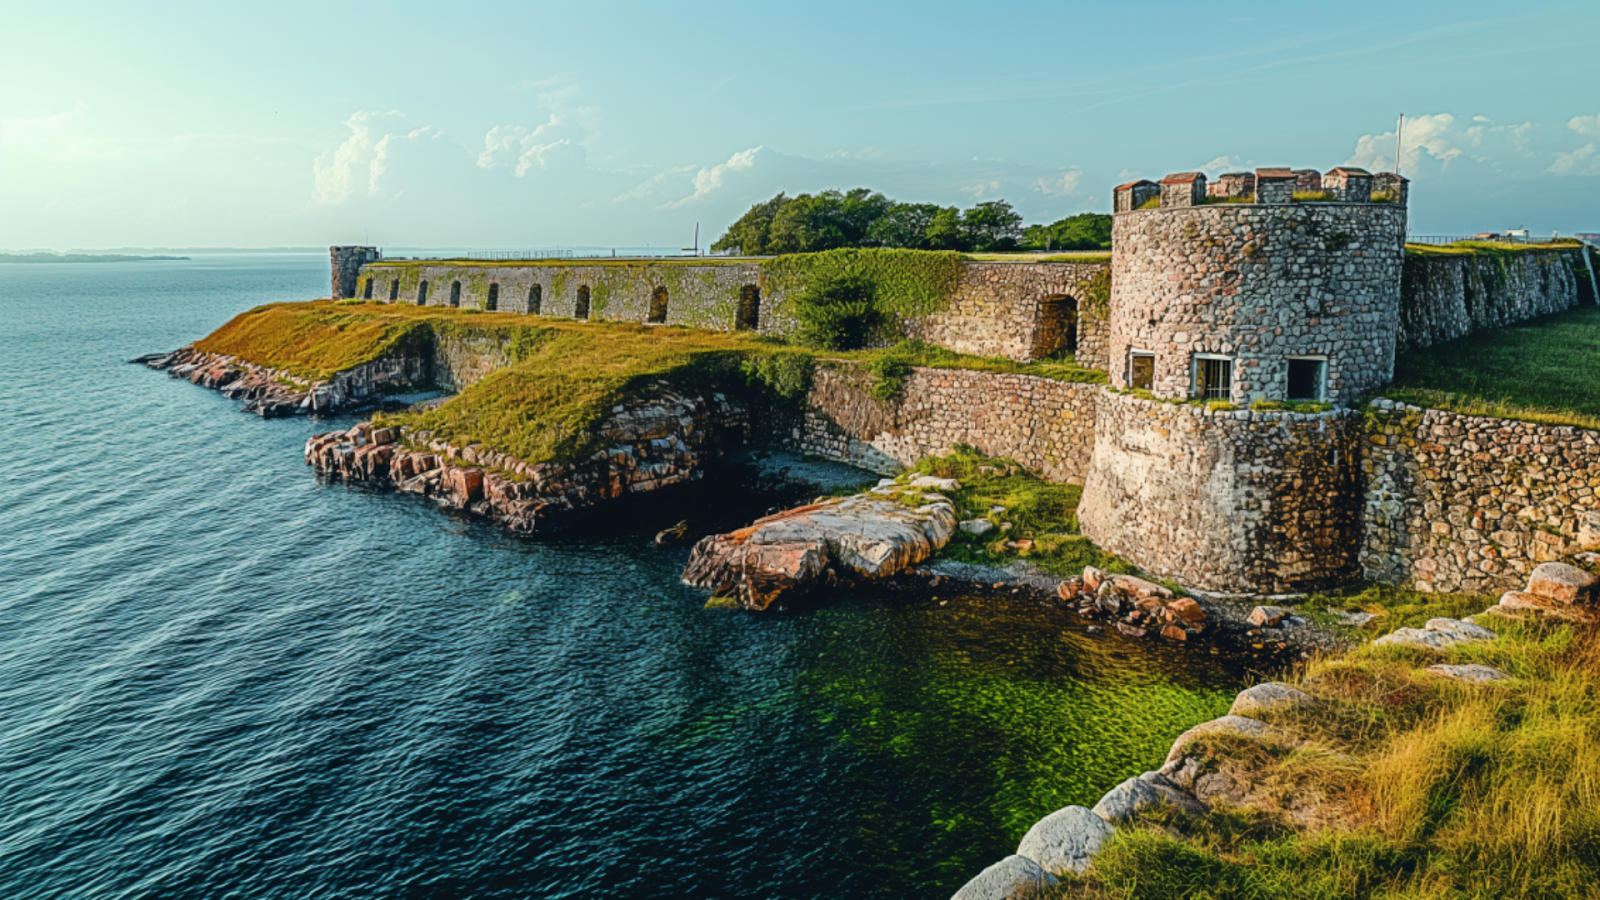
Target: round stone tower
x,y
1281,286
1275,298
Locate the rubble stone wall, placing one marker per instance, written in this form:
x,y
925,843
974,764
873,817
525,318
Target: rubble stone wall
x,y
1045,425
1018,310
1471,503
1234,501
1447,297
702,294
1258,283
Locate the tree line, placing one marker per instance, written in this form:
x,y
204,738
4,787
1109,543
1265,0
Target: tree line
x,y
834,220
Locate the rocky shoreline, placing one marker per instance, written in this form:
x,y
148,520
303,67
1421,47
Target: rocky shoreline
x,y
273,393
657,438
1193,779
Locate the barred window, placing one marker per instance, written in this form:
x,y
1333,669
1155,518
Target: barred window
x,y
1213,378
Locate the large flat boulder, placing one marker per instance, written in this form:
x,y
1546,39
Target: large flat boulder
x,y
1562,583
1066,840
1012,877
861,537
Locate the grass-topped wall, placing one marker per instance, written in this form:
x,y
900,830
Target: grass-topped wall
x,y
1448,292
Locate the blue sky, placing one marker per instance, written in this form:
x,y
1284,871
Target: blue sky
x,y
525,125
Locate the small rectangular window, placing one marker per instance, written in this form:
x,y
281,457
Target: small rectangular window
x,y
1141,369
1213,378
1306,378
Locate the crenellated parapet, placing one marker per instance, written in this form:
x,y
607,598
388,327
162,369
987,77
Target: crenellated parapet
x,y
1240,297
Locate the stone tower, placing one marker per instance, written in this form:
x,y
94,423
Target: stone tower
x,y
347,263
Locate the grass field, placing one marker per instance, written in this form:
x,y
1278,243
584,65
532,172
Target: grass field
x,y
1545,370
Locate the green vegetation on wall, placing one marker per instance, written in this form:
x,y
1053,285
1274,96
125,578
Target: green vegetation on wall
x,y
876,288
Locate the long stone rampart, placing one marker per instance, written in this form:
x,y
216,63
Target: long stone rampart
x,y
1447,297
1020,310
1470,503
1226,500
1045,425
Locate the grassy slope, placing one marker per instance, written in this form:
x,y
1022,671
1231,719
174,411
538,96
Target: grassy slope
x,y
1544,370
1432,788
316,340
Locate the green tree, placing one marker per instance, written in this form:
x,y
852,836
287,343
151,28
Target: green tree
x,y
750,234
1085,231
992,225
904,226
945,231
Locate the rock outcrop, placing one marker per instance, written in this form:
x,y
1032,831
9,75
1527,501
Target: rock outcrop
x,y
866,536
273,393
656,438
1136,607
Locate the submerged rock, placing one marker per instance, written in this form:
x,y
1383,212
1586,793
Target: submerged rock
x,y
861,537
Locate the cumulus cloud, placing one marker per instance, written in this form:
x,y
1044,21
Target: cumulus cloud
x,y
356,163
1063,184
1585,124
710,180
1582,161
1432,135
557,141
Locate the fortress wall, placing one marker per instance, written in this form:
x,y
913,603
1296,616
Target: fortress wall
x,y
1018,310
699,295
462,360
1235,501
1446,297
1045,425
1258,283
1471,503
1022,311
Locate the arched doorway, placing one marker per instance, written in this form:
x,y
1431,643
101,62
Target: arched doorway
x,y
1056,327
749,317
535,299
658,306
494,297
581,310
455,293
394,290
366,292
422,294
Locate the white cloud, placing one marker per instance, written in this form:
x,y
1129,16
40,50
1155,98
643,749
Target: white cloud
x,y
707,181
1433,135
1585,124
356,163
1063,184
1582,161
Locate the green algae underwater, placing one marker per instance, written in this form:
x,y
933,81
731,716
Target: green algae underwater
x,y
995,709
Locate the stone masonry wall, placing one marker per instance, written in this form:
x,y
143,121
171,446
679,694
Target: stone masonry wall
x,y
1469,503
1447,297
700,294
1258,283
997,309
1045,425
1001,309
1235,501
460,361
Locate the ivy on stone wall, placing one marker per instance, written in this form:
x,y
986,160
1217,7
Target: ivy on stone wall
x,y
905,282
1096,289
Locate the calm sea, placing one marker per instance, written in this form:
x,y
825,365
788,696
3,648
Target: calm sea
x,y
221,678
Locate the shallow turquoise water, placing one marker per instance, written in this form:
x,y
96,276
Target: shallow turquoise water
x,y
222,678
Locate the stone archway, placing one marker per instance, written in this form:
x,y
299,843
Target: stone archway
x,y
749,316
1055,329
658,306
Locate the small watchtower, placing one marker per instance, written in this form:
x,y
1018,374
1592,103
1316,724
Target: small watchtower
x,y
1348,184
1129,197
346,264
1233,185
1275,185
1183,189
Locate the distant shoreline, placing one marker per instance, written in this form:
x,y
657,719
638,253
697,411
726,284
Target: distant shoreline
x,y
78,258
